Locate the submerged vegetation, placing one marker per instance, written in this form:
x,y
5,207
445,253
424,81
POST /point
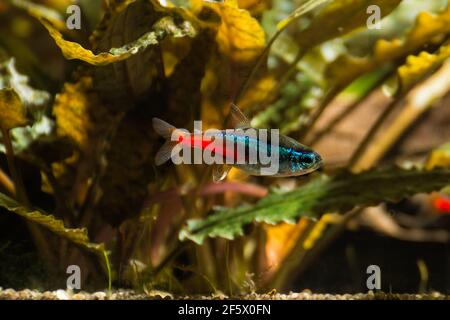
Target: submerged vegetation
x,y
77,147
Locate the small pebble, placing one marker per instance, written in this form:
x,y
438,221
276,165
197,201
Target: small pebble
x,y
62,295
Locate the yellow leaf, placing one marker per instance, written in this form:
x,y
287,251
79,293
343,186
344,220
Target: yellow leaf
x,y
258,92
84,120
12,112
240,37
72,50
417,67
281,240
439,158
347,68
71,110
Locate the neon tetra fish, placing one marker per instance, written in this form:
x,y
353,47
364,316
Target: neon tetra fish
x,y
252,150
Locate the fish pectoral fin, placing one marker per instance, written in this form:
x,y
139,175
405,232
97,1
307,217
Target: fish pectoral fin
x,y
220,172
240,121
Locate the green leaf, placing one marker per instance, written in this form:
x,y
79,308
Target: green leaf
x,y
323,194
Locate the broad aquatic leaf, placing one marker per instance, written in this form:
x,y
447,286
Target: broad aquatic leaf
x,y
77,236
73,50
188,93
74,118
125,83
323,194
112,105
12,111
164,27
84,121
240,37
240,42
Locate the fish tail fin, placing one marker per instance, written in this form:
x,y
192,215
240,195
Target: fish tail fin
x,y
163,128
165,153
171,134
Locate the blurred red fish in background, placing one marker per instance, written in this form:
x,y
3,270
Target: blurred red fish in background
x,y
442,204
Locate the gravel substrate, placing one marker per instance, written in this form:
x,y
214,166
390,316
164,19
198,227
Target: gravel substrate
x,y
10,294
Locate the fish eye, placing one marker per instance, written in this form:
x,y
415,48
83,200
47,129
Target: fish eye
x,y
308,159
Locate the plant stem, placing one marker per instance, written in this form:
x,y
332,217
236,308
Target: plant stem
x,y
256,67
172,255
18,183
7,183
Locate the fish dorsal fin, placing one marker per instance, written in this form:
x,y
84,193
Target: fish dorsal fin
x,y
162,128
239,119
290,142
220,172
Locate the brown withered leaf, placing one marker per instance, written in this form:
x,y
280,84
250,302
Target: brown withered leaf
x,y
126,82
129,165
134,88
74,115
160,29
84,121
184,98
